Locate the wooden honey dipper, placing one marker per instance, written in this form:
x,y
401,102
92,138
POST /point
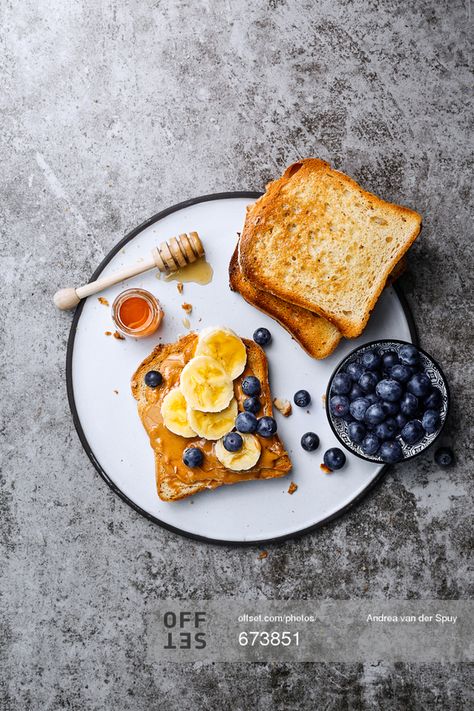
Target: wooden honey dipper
x,y
167,257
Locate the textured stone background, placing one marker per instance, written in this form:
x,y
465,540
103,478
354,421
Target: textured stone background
x,y
112,111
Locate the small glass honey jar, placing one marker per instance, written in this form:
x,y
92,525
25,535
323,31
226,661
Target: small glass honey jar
x,y
137,313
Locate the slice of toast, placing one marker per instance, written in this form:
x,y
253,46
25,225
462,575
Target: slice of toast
x,y
318,240
173,479
317,336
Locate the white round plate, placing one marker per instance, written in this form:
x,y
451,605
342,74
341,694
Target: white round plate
x,y
105,414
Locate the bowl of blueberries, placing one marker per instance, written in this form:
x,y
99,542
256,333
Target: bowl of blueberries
x,y
387,401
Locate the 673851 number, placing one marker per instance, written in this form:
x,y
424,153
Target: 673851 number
x,y
265,639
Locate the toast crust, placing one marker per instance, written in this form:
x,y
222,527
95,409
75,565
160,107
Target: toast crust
x,y
321,242
173,479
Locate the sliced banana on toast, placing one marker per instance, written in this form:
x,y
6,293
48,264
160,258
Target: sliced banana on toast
x,y
246,458
205,384
225,346
213,425
174,414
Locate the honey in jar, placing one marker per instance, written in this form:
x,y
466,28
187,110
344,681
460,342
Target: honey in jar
x,y
137,313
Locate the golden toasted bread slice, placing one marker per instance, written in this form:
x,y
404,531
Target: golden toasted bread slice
x,y
318,240
317,336
174,480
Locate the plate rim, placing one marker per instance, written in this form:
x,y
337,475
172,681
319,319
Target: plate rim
x,y
251,194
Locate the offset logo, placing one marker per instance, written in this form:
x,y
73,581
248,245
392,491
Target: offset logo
x,y
184,630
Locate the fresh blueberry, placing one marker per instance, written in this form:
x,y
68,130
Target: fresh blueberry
x,y
400,372
434,400
370,444
401,420
339,405
419,385
391,452
358,408
251,385
389,359
262,336
356,391
374,414
390,390
370,360
341,384
266,426
409,405
252,404
193,457
409,355
386,430
302,398
347,418
390,408
368,381
334,458
356,432
372,398
444,456
233,442
354,370
431,421
413,432
310,441
153,378
246,422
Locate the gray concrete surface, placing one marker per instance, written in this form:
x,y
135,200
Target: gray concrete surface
x,y
111,111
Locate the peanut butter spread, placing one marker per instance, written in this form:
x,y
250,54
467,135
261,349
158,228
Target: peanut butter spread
x,y
169,447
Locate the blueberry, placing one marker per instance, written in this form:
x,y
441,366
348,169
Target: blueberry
x,y
374,414
386,430
419,385
431,421
302,398
341,384
310,441
409,405
401,420
252,404
356,391
400,372
246,422
251,385
434,400
413,432
262,336
266,426
358,407
334,458
391,452
370,444
390,390
354,370
389,359
370,360
390,408
153,378
356,432
372,398
368,381
347,418
444,456
339,405
233,442
409,355
193,457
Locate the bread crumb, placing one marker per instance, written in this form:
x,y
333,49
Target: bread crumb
x,y
283,406
325,469
116,392
119,336
323,399
180,287
292,488
103,300
186,323
187,307
107,333
262,555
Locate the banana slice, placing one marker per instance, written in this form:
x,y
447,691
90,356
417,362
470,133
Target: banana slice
x,y
205,384
173,412
225,346
213,425
245,458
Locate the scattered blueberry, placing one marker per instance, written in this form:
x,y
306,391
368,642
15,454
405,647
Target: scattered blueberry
x,y
413,432
193,457
339,405
409,405
401,420
354,370
431,421
370,360
246,422
262,336
390,408
370,444
419,385
434,400
358,407
302,398
374,414
341,384
391,452
266,426
153,378
310,441
389,359
252,404
390,390
400,372
356,391
368,381
251,385
334,458
233,442
444,456
408,355
386,430
356,431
